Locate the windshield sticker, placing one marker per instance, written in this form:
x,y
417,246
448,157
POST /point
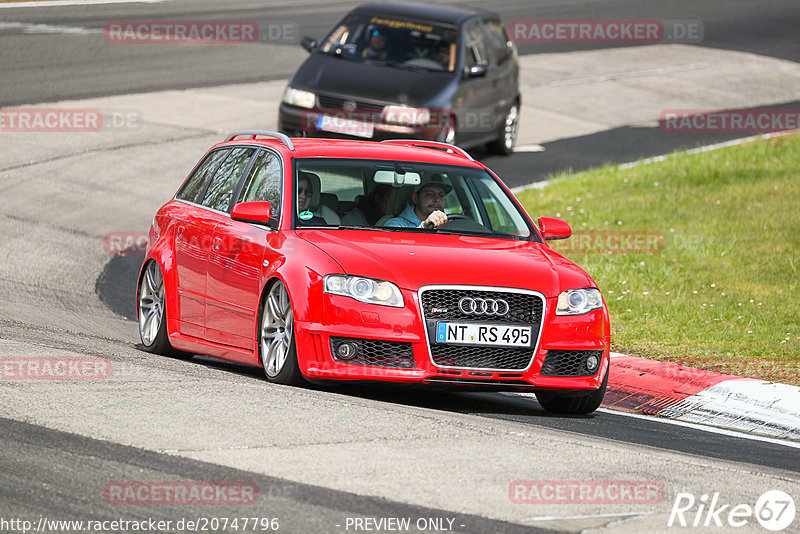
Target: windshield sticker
x,y
306,215
407,24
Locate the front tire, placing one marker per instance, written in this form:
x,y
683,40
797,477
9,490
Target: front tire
x,y
507,133
581,404
277,350
152,313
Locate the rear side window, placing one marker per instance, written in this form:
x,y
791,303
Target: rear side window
x,y
194,185
264,183
220,191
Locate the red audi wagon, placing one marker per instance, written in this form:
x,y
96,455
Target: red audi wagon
x,y
402,261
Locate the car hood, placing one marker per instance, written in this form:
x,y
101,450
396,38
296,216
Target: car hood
x,y
326,74
412,261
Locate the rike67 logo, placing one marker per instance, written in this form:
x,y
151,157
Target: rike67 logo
x,y
774,510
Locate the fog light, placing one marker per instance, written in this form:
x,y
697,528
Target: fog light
x,y
592,362
347,350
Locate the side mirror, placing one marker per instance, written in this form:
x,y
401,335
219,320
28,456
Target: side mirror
x,y
254,213
308,44
552,228
476,71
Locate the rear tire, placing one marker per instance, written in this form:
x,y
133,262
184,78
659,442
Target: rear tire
x,y
581,404
277,350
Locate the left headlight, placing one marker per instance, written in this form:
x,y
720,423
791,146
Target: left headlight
x,y
299,98
364,289
579,301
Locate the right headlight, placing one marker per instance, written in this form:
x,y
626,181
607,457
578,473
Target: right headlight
x,y
299,98
579,301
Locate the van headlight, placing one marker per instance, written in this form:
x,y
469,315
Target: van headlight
x,y
299,98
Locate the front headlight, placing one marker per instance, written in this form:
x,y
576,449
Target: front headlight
x,y
364,289
579,301
299,98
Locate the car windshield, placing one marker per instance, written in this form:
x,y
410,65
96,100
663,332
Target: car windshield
x,y
388,196
393,41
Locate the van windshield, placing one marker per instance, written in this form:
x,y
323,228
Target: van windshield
x,y
393,41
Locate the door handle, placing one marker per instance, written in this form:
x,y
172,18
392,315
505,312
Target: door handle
x,y
181,230
217,243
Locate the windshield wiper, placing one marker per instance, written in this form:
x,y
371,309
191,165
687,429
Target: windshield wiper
x,y
415,68
352,227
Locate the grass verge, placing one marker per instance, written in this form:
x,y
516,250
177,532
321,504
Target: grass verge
x,y
704,258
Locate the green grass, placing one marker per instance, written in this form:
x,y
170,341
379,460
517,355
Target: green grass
x,y
722,294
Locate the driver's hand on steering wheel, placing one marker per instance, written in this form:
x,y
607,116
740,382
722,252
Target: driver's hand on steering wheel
x,y
435,219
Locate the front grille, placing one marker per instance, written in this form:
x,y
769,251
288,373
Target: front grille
x,y
499,358
334,102
442,305
377,352
568,362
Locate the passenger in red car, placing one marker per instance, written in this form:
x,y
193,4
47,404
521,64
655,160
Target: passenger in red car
x,y
426,209
371,208
304,196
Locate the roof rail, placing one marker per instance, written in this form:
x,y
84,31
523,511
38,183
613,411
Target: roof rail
x,y
253,133
436,145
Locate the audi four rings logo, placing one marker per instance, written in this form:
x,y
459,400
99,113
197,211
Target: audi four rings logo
x,y
476,306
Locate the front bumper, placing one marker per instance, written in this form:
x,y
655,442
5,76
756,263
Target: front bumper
x,y
299,122
351,320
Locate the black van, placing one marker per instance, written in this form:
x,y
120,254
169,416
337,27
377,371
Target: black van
x,y
408,70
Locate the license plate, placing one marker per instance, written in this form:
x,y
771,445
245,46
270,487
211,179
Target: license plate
x,y
483,334
342,125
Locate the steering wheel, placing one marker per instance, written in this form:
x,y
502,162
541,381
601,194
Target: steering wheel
x,y
459,221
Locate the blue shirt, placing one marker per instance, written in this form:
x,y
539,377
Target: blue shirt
x,y
407,219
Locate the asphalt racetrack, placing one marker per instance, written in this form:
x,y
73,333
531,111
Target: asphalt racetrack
x,y
322,458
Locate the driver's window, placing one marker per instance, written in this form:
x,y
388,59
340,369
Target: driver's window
x,y
476,45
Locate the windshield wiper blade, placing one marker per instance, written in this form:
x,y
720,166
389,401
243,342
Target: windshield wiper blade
x,y
415,68
353,227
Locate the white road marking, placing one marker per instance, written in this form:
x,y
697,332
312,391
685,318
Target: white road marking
x,y
535,185
529,148
695,426
707,148
76,3
29,27
592,516
704,428
655,159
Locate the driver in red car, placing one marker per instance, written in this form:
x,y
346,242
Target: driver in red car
x,y
426,209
